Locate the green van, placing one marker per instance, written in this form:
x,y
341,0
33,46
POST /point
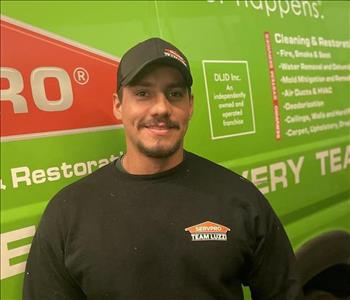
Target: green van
x,y
272,103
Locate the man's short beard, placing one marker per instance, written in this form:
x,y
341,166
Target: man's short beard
x,y
159,152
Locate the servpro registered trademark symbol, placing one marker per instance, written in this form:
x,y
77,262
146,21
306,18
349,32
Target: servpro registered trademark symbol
x,y
81,76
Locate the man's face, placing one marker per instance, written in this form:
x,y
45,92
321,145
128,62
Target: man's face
x,y
155,111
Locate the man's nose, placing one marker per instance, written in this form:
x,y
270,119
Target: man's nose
x,y
161,105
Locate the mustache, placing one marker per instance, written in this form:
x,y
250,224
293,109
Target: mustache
x,y
155,122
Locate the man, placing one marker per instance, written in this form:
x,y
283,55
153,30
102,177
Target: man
x,y
160,222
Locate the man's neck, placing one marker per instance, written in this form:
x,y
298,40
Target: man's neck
x,y
144,165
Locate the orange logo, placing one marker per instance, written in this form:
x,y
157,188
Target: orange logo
x,y
208,231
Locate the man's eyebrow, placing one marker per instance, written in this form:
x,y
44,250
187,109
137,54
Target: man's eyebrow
x,y
177,84
142,83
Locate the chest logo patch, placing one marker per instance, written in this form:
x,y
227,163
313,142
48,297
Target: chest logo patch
x,y
208,231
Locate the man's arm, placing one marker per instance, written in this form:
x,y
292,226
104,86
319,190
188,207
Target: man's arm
x,y
271,272
46,276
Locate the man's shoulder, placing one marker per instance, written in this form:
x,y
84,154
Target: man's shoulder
x,y
206,164
222,183
84,187
102,175
216,172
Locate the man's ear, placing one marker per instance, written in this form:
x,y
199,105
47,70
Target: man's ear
x,y
117,107
191,105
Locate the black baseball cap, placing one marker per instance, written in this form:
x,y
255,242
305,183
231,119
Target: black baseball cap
x,y
153,50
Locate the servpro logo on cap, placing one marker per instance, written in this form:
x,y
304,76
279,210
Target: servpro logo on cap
x,y
208,231
174,54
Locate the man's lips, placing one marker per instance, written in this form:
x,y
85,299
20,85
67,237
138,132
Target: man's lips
x,y
159,131
159,127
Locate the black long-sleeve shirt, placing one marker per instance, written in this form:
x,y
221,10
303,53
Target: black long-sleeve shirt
x,y
197,231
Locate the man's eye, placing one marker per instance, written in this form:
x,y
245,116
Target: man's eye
x,y
176,94
142,93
